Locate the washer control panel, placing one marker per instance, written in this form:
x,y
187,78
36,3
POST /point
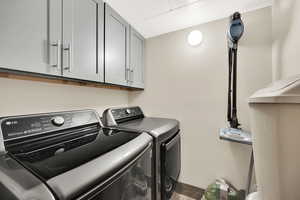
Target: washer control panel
x,y
30,125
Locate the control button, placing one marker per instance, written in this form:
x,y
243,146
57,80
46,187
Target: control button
x,y
127,111
58,151
58,121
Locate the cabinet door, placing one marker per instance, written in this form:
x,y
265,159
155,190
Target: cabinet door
x,y
29,35
116,48
83,23
137,45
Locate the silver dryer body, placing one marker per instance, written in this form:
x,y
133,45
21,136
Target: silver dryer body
x,y
164,132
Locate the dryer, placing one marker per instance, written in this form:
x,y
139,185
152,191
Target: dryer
x,y
166,148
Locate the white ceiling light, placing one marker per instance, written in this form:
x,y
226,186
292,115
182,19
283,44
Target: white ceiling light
x,y
195,38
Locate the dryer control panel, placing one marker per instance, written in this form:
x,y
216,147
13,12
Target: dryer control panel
x,y
114,116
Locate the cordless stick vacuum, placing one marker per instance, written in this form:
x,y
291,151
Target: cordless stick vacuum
x,y
235,32
235,133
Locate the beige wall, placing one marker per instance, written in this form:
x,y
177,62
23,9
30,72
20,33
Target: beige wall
x,y
190,84
25,97
182,82
286,42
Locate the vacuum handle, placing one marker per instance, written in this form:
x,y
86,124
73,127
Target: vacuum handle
x,y
229,84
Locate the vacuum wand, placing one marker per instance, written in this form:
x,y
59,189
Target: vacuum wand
x,y
235,32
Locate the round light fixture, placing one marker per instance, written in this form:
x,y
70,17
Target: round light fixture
x,y
195,38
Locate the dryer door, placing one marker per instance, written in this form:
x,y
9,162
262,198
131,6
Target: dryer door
x,y
171,164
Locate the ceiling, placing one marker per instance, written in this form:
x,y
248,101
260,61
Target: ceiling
x,y
155,17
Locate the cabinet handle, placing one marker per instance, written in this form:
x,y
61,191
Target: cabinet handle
x,y
127,74
69,49
132,75
58,53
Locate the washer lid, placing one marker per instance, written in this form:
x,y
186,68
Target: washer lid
x,y
282,91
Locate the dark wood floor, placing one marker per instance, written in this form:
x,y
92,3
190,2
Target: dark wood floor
x,y
177,196
187,192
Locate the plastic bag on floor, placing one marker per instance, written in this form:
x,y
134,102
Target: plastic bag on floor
x,y
222,190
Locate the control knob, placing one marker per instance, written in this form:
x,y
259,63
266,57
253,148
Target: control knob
x,y
128,111
58,121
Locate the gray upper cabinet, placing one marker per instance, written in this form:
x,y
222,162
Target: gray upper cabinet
x,y
137,46
83,39
78,39
30,33
116,48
